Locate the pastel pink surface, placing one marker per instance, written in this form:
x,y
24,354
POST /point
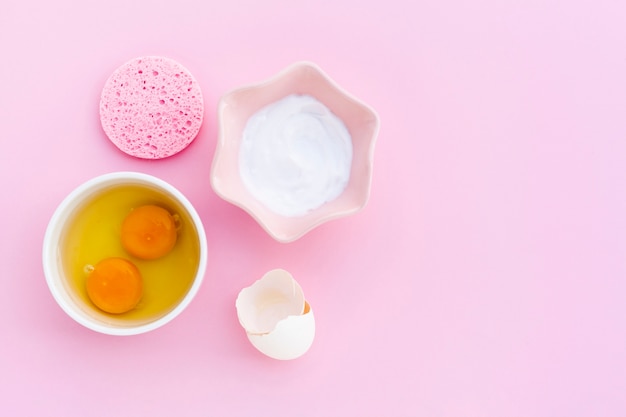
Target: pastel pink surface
x,y
151,107
485,276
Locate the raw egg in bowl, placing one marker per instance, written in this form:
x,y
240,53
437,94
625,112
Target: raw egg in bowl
x,y
124,253
294,151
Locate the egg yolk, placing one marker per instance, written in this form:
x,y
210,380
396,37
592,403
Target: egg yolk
x,y
149,232
115,285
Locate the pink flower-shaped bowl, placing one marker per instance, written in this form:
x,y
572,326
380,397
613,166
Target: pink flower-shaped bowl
x,y
236,107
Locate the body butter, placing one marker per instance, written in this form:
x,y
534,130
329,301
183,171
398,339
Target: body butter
x,y
295,155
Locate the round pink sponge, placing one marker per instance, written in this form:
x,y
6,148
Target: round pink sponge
x,y
151,107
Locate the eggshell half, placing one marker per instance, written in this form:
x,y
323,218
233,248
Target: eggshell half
x,y
291,338
272,298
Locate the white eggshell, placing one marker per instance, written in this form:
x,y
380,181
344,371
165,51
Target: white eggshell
x,y
291,338
277,319
272,298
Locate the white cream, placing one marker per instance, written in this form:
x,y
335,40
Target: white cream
x,y
295,155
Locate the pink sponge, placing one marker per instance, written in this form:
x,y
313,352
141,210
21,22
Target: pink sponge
x,y
151,107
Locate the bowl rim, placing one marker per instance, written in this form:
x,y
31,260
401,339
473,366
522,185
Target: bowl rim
x,y
54,229
290,236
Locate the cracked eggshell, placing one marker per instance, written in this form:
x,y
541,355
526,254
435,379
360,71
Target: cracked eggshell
x,y
277,319
291,338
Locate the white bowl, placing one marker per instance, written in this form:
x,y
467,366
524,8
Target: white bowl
x,y
236,107
58,282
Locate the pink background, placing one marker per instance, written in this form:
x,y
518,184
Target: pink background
x,y
486,277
